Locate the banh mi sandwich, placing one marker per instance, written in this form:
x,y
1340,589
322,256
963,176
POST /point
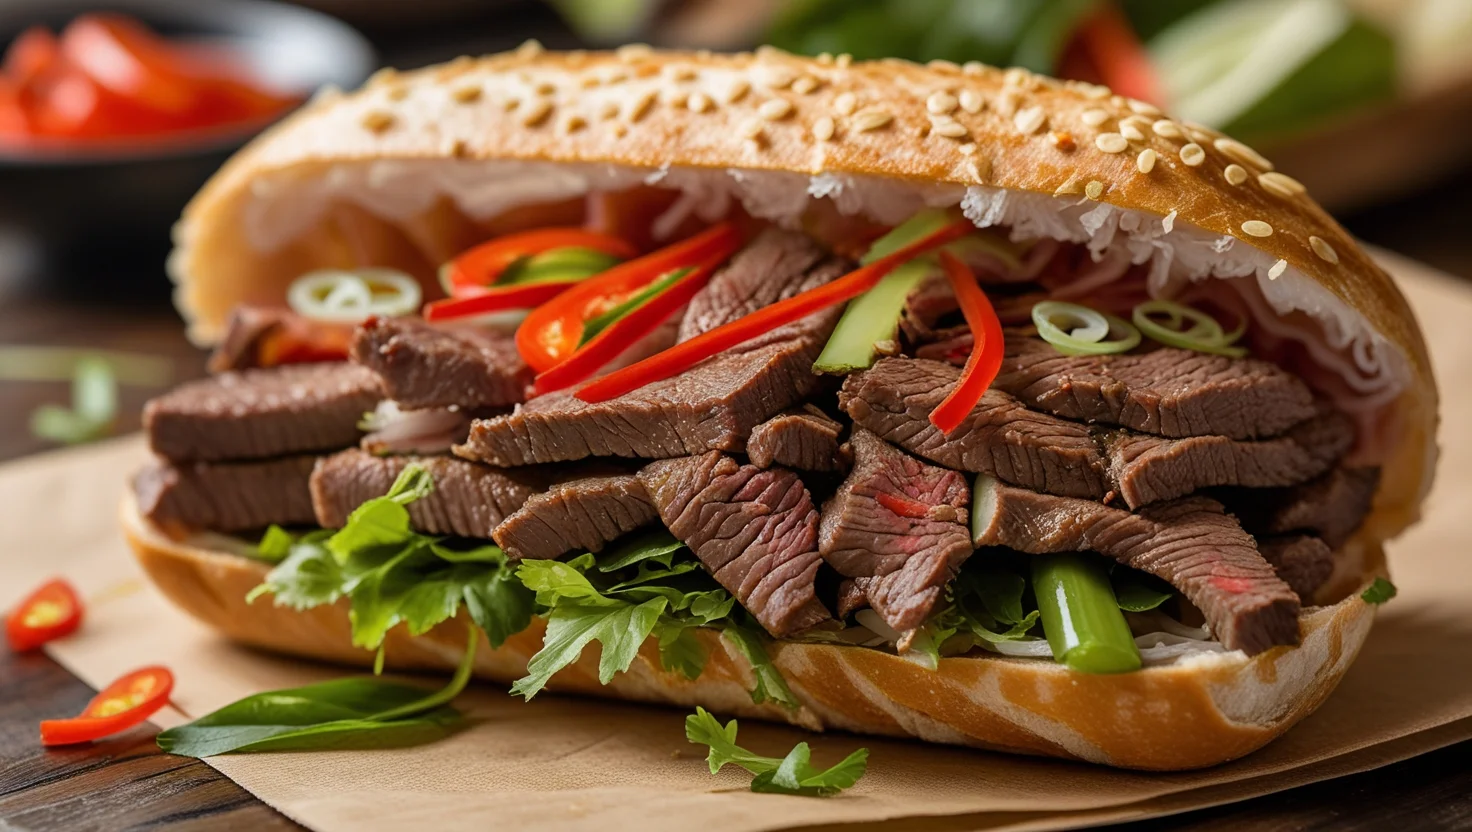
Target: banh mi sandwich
x,y
934,401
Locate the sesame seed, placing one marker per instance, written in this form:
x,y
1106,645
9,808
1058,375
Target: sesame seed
x,y
749,129
1167,129
466,94
1094,91
823,128
544,88
941,103
979,167
572,123
1131,131
1063,141
456,148
1094,117
1322,248
1111,143
378,121
1145,162
968,149
1281,184
775,77
615,75
608,109
1069,186
398,93
679,72
845,104
737,91
1240,152
674,97
973,67
1168,222
1257,228
1199,135
509,104
618,128
530,49
1030,120
640,105
1192,154
767,50
949,128
804,85
825,58
1235,174
699,102
1094,189
1016,76
871,119
536,112
942,63
588,82
1117,100
633,51
1144,108
843,60
971,101
775,109
1277,270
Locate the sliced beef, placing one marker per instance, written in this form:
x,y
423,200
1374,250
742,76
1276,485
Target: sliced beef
x,y
1191,543
776,265
1171,392
899,527
1146,469
226,496
804,438
469,500
1000,436
581,515
1304,562
851,598
1331,507
265,336
254,414
425,365
755,530
925,308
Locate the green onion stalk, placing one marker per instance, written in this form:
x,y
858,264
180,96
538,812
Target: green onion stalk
x,y
1081,617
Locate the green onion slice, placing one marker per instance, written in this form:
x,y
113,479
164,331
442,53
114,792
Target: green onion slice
x,y
1205,333
344,296
1073,329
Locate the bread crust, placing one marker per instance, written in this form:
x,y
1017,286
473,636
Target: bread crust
x,y
1181,716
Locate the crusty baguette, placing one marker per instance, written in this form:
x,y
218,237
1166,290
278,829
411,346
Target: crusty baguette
x,y
1185,715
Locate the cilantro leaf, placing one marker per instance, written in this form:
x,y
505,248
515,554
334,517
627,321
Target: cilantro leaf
x,y
793,774
770,685
654,543
620,630
1379,592
275,544
1138,591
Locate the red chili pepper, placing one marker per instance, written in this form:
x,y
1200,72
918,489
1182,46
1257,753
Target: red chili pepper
x,y
482,266
903,506
121,705
52,611
551,333
625,332
683,356
495,299
986,348
1117,54
31,55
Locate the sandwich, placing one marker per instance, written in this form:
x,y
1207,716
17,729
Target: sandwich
x,y
936,401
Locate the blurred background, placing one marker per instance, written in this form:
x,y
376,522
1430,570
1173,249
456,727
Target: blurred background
x,y
113,114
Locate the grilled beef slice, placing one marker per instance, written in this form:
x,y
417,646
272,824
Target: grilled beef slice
x,y
1146,469
226,496
712,406
424,365
254,414
1331,507
1000,436
802,438
581,515
755,530
1190,543
899,527
1170,392
851,597
776,265
1304,562
468,500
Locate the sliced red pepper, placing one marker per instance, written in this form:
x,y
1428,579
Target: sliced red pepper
x,y
986,348
1117,54
125,57
494,299
625,332
903,506
121,705
52,611
31,54
482,266
683,356
551,333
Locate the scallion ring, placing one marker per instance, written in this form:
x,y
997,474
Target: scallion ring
x,y
349,296
1078,330
1204,335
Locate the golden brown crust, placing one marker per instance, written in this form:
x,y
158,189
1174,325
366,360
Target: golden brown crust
x,y
1162,718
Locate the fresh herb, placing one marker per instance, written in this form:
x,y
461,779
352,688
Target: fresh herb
x,y
1138,591
988,604
770,685
275,544
653,289
1379,592
95,377
341,714
793,774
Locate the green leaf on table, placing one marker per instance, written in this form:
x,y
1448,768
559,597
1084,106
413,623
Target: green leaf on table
x,y
793,774
94,406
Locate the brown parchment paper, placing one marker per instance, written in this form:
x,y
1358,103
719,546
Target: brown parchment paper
x,y
573,764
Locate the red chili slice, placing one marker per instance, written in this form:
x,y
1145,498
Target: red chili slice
x,y
683,356
494,299
121,705
986,348
482,266
903,506
50,612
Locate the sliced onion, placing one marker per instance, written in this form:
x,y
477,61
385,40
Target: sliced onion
x,y
1078,330
1035,648
343,296
1204,335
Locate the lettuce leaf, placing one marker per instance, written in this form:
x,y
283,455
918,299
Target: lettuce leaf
x,y
1379,592
793,774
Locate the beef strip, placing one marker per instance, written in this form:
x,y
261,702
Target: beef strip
x,y
226,496
755,530
249,326
925,307
1146,469
468,500
851,598
254,414
1331,507
1000,436
776,265
1304,562
424,365
899,527
804,438
1171,392
712,406
581,515
1191,543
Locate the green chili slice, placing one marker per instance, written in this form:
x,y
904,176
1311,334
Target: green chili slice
x,y
1074,329
1204,334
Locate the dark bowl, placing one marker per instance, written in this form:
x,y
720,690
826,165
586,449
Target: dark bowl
x,y
110,207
